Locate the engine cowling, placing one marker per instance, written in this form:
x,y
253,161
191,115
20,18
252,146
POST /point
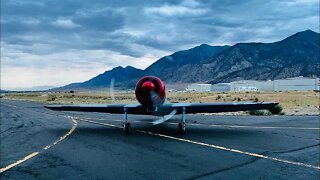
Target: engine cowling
x,y
150,91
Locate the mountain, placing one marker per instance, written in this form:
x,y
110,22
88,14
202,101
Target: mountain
x,y
297,55
167,66
128,76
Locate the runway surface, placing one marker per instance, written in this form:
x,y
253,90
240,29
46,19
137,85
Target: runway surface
x,y
37,143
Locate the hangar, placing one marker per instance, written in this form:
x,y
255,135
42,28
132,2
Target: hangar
x,y
297,84
251,85
199,87
220,87
289,84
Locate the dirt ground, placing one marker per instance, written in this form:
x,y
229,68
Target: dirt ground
x,y
293,103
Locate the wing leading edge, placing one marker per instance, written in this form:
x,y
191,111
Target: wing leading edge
x,y
103,108
190,108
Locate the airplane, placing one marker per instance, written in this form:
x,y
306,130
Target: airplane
x,y
150,93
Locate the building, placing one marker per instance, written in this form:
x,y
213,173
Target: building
x,y
288,84
297,84
220,87
251,85
199,87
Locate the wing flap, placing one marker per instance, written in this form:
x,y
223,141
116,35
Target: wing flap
x,y
192,108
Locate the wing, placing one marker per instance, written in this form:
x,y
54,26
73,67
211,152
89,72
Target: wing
x,y
103,108
191,108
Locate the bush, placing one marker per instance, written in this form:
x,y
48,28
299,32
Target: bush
x,y
258,113
51,98
276,110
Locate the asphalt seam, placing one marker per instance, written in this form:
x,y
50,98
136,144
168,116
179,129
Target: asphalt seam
x,y
224,169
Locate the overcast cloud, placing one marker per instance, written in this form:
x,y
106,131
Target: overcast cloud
x,y
49,42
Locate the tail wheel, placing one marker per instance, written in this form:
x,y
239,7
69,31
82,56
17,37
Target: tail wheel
x,y
127,128
182,128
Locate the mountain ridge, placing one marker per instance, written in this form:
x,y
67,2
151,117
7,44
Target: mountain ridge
x,y
296,55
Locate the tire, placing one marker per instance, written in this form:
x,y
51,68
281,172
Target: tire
x,y
181,128
127,128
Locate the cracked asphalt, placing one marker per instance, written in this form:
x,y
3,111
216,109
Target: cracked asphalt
x,y
214,147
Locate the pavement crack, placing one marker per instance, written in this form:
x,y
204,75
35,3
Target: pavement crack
x,y
297,149
253,160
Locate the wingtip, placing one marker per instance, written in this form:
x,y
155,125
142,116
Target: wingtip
x,y
46,106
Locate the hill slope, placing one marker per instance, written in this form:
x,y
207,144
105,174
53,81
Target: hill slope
x,y
297,55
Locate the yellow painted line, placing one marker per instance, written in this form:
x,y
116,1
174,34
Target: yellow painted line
x,y
215,125
212,146
74,126
19,161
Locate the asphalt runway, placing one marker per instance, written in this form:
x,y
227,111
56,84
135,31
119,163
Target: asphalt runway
x,y
37,143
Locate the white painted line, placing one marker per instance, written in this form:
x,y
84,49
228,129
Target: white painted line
x,y
255,127
215,125
9,105
212,146
99,123
232,150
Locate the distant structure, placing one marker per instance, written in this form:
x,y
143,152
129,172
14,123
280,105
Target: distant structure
x,y
220,87
199,87
251,85
297,84
289,84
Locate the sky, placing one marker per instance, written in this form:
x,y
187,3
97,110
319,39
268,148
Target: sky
x,y
54,43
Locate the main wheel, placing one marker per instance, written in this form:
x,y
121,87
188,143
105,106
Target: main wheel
x,y
127,128
182,128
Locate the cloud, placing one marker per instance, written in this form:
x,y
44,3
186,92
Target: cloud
x,y
88,37
174,10
22,68
65,23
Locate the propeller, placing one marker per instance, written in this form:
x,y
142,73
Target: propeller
x,y
165,117
112,90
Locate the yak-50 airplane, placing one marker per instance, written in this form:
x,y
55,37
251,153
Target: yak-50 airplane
x,y
150,93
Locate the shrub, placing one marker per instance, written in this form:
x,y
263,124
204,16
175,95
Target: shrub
x,y
258,113
276,110
51,98
282,113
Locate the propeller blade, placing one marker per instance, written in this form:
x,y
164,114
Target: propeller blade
x,y
112,90
165,117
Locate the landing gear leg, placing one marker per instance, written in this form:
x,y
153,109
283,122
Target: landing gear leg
x,y
182,124
126,125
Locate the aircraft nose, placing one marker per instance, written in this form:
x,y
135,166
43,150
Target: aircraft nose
x,y
148,86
